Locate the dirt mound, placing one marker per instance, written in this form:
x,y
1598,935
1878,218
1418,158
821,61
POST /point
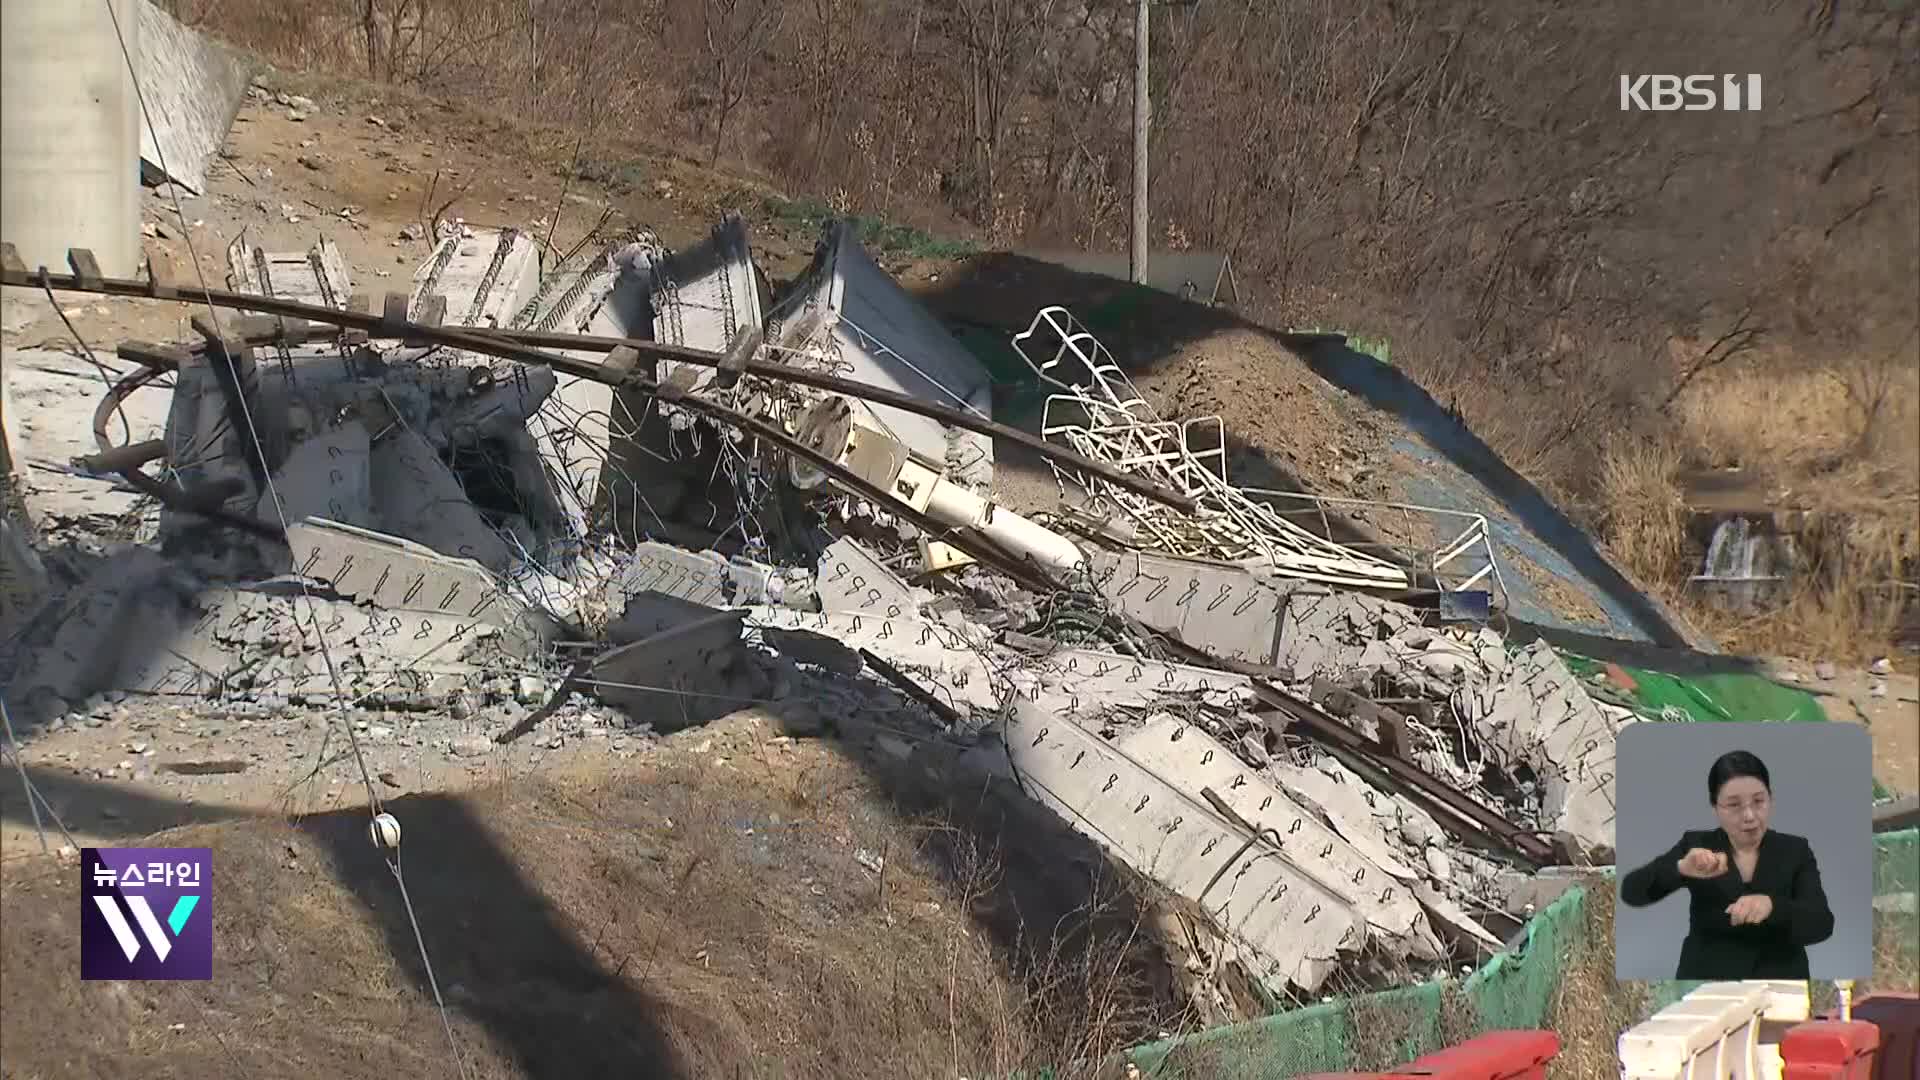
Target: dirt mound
x,y
1285,427
720,912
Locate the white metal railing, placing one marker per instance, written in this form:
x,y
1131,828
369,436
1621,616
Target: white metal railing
x,y
1102,416
1454,547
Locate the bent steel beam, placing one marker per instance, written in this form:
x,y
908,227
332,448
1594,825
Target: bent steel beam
x,y
14,273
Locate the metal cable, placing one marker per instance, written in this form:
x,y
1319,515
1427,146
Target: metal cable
x,y
373,797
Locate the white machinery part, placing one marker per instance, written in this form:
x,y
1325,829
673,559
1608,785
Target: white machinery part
x,y
954,505
834,429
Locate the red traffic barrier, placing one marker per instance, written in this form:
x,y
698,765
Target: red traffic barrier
x,y
1898,1018
1497,1055
1829,1050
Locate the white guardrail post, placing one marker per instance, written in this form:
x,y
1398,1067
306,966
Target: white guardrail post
x,y
1719,1031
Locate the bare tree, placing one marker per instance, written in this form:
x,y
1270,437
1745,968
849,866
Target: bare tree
x,y
370,26
734,34
1003,41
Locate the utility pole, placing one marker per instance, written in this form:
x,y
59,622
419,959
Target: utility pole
x,y
1142,120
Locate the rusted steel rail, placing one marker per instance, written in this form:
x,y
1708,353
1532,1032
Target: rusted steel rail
x,y
616,373
1411,780
14,273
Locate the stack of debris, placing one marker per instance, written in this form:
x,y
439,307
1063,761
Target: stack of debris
x,y
712,496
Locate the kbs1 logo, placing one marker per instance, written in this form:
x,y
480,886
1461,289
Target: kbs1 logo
x,y
1689,93
145,914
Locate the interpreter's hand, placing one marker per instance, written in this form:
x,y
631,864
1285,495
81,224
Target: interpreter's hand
x,y
1750,909
1702,864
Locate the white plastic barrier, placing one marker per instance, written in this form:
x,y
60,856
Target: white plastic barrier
x,y
1719,1031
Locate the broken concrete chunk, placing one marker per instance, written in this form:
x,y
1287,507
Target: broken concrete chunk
x,y
1542,717
324,477
1225,610
504,406
806,647
417,496
852,578
141,626
1253,750
709,579
676,678
1339,635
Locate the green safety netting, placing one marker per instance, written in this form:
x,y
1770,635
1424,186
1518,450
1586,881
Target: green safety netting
x,y
1704,698
1514,990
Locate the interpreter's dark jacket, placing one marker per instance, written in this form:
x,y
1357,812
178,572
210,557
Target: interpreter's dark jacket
x,y
1715,949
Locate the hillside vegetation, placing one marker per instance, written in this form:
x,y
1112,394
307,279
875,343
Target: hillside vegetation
x,y
1615,300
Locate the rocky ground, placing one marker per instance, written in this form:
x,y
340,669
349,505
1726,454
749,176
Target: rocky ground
x,y
1888,704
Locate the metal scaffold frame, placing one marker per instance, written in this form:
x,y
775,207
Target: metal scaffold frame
x,y
1102,416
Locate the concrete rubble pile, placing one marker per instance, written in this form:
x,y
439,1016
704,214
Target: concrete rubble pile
x,y
461,527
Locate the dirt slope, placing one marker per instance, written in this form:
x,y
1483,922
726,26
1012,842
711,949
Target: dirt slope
x,y
715,910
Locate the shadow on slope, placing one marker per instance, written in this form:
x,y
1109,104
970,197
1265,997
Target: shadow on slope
x,y
673,918
526,994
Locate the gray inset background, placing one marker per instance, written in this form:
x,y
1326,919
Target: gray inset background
x,y
1822,789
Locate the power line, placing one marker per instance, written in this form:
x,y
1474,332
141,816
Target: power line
x,y
253,435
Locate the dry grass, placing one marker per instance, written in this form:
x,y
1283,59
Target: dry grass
x,y
1812,432
1845,461
1644,513
1590,1007
687,919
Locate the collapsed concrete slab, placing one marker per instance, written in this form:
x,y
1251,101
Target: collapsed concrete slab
x,y
1541,718
396,574
848,309
191,88
1294,926
315,276
417,496
1188,758
326,476
1373,822
484,275
1223,609
706,297
586,431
